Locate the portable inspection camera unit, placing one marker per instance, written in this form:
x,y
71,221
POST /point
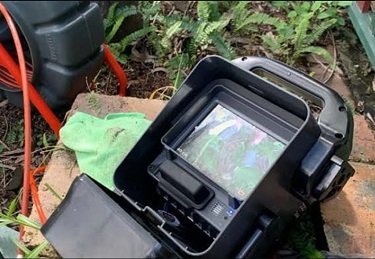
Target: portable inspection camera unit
x,y
229,162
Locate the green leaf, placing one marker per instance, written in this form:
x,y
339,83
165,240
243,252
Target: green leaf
x,y
203,10
170,32
111,12
323,15
285,31
25,221
21,246
318,51
301,30
318,31
260,18
214,11
280,4
49,187
222,47
271,43
341,21
12,206
119,16
115,28
316,5
343,3
306,6
132,38
292,14
37,250
173,29
45,142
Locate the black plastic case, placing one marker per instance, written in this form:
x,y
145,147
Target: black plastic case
x,y
312,168
64,40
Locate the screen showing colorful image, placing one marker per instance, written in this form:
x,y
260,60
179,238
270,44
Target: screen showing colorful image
x,y
230,151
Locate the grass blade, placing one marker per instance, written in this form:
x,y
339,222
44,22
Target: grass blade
x,y
37,250
12,207
21,246
25,221
49,187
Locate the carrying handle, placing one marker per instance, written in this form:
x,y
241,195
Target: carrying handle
x,y
334,114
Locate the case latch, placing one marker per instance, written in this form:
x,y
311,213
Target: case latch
x,y
338,173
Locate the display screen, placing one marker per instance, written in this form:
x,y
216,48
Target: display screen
x,y
230,151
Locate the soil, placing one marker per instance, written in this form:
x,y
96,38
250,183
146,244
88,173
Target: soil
x,y
143,80
11,155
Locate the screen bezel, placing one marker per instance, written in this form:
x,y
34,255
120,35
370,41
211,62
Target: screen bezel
x,y
252,108
208,174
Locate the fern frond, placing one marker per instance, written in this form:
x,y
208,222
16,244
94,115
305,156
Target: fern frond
x,y
315,50
216,26
203,10
200,36
133,37
118,17
222,47
259,18
115,49
271,43
148,9
111,13
214,11
240,7
190,25
171,31
191,48
318,31
240,13
115,28
301,31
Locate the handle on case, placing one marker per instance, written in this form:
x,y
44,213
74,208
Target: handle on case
x,y
334,115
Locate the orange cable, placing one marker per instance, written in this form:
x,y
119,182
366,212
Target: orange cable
x,y
39,170
35,197
27,114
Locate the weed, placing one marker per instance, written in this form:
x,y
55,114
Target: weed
x,y
16,134
9,219
54,193
93,102
302,238
44,140
32,253
178,39
195,35
306,23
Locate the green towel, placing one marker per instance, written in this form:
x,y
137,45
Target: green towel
x,y
101,144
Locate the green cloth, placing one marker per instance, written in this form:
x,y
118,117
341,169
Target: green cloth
x,y
101,144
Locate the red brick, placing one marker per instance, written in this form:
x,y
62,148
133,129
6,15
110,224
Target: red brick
x,y
350,217
363,141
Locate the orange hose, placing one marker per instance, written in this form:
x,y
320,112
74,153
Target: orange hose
x,y
39,170
116,68
35,196
27,114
